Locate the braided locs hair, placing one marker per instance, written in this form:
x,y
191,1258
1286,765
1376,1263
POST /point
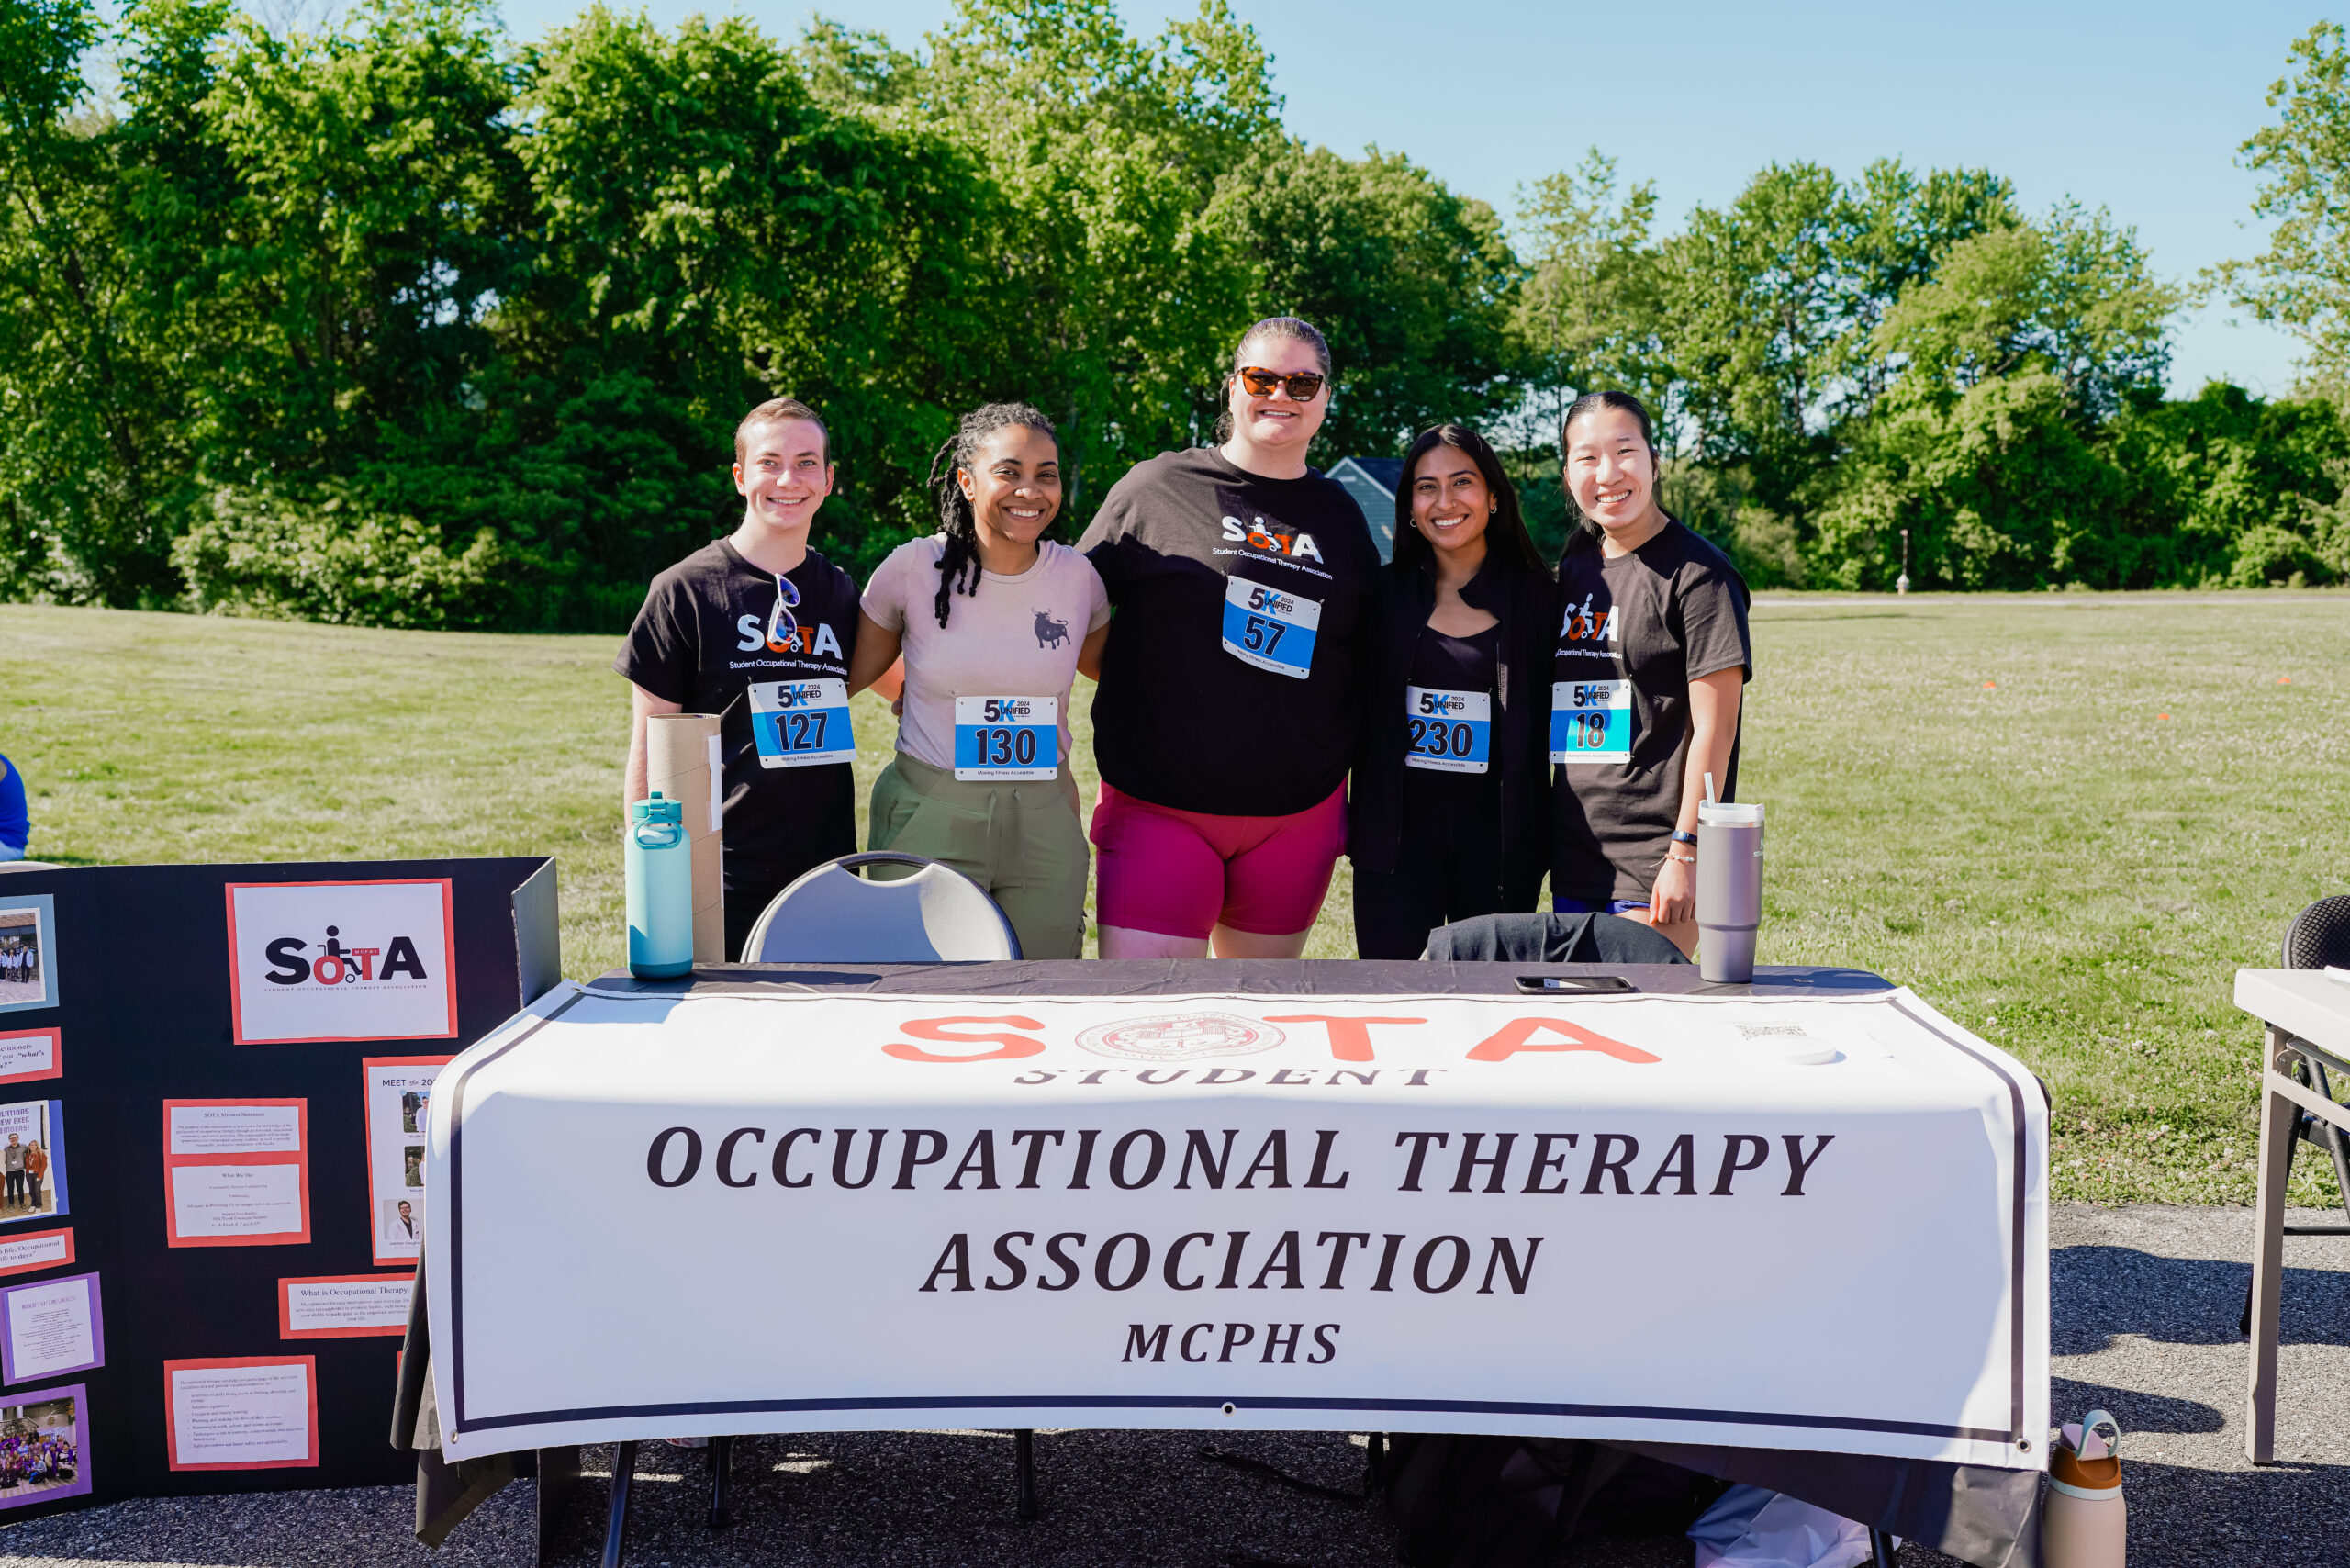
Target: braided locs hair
x,y
958,567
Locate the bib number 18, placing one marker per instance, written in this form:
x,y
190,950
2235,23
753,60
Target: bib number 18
x,y
1591,721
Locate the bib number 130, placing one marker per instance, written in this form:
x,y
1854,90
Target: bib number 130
x,y
1591,721
1269,629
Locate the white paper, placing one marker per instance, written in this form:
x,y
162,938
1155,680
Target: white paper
x,y
242,1414
29,1053
236,1200
36,1251
236,1129
312,1306
397,1101
50,1328
343,961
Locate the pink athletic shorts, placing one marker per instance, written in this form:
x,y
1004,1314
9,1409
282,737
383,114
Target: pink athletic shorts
x,y
1184,873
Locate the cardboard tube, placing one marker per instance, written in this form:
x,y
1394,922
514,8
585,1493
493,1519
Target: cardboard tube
x,y
681,761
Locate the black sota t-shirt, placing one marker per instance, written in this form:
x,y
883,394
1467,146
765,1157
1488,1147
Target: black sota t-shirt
x,y
701,641
1231,681
1633,633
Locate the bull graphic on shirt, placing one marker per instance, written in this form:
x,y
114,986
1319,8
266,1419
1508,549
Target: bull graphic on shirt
x,y
1050,634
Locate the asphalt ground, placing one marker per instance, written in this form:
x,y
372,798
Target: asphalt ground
x,y
2146,1304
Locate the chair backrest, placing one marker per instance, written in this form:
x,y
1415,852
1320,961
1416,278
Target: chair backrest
x,y
832,915
1553,939
2320,936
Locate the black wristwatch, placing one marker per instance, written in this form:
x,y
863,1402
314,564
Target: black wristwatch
x,y
1688,838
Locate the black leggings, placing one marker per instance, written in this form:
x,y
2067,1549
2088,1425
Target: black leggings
x,y
1442,874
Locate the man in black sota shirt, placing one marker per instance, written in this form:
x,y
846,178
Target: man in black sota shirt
x,y
757,628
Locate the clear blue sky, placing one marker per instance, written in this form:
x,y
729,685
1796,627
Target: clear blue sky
x,y
2138,106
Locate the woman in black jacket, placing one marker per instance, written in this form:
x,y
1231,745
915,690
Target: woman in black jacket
x,y
1449,811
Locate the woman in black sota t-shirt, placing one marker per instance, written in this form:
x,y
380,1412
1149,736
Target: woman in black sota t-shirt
x,y
1231,683
1652,656
1449,812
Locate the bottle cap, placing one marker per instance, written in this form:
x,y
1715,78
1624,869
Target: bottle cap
x,y
1728,813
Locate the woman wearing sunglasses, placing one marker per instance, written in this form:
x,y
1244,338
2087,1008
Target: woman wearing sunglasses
x,y
1450,817
994,622
1232,679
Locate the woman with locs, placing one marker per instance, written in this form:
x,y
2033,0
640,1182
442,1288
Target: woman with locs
x,y
993,621
1449,811
1231,684
1652,654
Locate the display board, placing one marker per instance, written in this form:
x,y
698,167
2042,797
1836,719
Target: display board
x,y
212,1085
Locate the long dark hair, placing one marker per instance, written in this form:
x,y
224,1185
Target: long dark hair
x,y
959,563
1289,329
1505,533
1587,533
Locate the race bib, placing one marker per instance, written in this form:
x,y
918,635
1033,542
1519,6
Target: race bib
x,y
1450,731
799,724
1004,738
1269,629
1591,721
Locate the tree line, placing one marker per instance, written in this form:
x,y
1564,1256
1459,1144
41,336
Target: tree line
x,y
400,321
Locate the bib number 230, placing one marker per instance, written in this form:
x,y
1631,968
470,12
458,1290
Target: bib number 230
x,y
1591,721
1269,629
799,724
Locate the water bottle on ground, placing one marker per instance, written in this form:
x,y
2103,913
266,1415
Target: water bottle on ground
x,y
660,867
1729,887
2083,1521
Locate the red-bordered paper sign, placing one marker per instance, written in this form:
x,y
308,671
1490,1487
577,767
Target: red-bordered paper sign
x,y
36,1251
236,1172
315,961
398,1091
343,1307
241,1411
28,1054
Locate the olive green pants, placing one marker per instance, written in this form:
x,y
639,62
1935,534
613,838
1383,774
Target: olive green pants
x,y
1022,843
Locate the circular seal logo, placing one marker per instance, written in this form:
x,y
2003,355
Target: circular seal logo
x,y
1186,1037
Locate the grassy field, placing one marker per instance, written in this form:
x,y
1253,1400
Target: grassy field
x,y
2067,819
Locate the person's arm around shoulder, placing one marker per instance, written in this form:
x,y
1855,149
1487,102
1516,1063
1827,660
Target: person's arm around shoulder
x,y
1097,624
882,623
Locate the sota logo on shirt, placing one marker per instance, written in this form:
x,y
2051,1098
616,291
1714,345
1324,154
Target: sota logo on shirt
x,y
1583,625
1273,538
812,640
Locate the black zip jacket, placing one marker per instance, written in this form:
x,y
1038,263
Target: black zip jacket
x,y
1526,601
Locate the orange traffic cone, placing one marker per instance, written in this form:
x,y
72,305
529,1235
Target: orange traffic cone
x,y
2083,1521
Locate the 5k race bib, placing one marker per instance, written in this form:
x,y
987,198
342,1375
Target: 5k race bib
x,y
1007,738
1269,629
1591,721
1450,731
799,724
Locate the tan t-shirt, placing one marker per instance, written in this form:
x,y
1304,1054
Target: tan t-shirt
x,y
1015,637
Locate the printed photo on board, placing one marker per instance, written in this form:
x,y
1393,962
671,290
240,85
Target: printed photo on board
x,y
25,955
31,1174
400,1100
41,1449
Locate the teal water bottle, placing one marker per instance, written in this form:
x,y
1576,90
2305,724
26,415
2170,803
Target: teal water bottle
x,y
660,890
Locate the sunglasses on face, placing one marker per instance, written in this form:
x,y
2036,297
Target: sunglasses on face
x,y
1260,383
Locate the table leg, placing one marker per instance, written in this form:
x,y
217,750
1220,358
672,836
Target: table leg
x,y
1883,1553
616,1525
1023,1464
721,1473
2279,1118
558,1470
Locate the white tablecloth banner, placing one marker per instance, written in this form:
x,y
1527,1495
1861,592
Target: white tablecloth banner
x,y
1809,1224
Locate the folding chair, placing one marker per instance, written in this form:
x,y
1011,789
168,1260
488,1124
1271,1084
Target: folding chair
x,y
2318,938
831,916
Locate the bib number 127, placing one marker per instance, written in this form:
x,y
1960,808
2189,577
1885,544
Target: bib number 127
x,y
799,724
